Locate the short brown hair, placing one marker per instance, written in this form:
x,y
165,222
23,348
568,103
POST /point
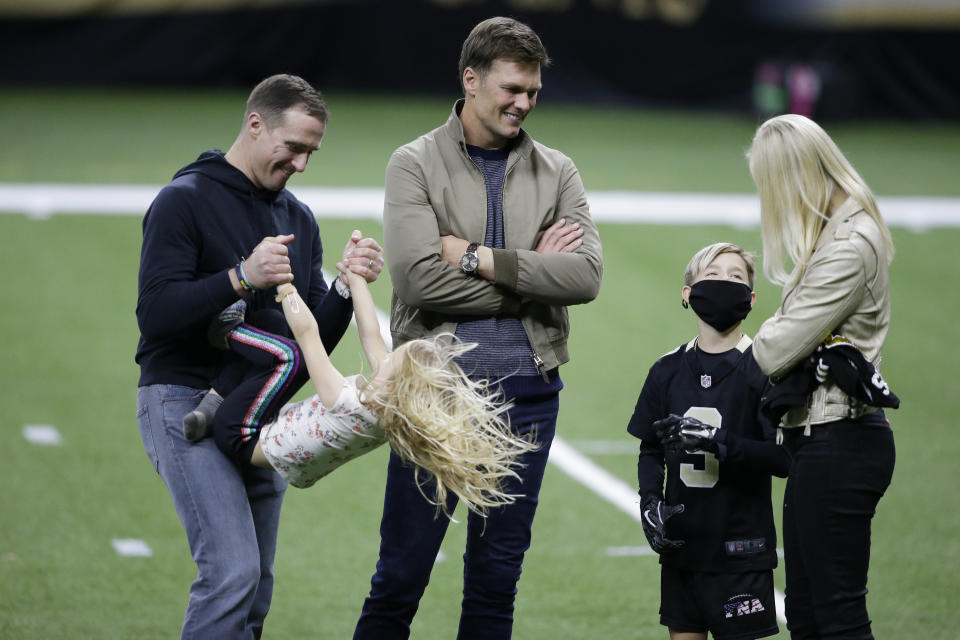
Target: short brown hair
x,y
274,95
501,38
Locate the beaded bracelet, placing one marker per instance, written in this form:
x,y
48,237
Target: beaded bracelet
x,y
242,277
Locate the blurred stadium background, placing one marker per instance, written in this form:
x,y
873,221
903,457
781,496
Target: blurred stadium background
x,y
655,100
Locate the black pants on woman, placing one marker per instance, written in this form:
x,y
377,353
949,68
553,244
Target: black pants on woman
x,y
839,473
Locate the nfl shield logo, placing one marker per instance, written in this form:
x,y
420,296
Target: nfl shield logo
x,y
705,381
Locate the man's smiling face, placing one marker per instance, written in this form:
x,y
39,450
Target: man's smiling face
x,y
499,101
280,152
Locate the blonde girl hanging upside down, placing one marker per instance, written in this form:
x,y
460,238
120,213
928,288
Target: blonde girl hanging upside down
x,y
417,398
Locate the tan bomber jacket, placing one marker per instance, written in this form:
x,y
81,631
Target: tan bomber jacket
x,y
433,188
845,289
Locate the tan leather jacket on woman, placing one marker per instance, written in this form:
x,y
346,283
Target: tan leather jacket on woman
x,y
845,289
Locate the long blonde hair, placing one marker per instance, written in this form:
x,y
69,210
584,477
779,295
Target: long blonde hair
x,y
796,167
448,425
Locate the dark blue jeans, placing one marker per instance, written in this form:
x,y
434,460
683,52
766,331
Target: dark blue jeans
x,y
411,534
838,476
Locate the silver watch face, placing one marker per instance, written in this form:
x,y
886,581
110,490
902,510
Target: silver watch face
x,y
469,262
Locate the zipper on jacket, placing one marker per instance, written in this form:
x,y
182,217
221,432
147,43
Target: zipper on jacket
x,y
483,184
506,172
538,363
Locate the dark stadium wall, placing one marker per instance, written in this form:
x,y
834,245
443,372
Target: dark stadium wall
x,y
687,54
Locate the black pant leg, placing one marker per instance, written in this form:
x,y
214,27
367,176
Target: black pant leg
x,y
839,474
274,373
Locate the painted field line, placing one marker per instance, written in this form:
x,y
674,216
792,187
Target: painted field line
x,y
42,200
594,477
607,447
622,552
131,548
43,434
611,489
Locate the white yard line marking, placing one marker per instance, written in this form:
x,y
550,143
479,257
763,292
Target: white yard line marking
x,y
611,489
43,434
620,552
607,447
42,200
781,606
595,478
131,547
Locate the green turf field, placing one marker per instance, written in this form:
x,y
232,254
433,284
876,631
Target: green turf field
x,y
70,334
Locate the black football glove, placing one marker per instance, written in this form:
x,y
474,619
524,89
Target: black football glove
x,y
653,517
668,430
688,434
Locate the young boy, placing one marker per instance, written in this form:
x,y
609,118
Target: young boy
x,y
699,415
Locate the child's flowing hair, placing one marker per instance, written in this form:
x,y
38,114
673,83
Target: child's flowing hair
x,y
451,426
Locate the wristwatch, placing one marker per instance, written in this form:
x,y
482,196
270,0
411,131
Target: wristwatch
x,y
470,260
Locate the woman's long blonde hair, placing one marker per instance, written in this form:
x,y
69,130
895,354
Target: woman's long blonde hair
x,y
451,426
796,167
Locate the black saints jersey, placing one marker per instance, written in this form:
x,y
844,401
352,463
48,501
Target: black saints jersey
x,y
727,521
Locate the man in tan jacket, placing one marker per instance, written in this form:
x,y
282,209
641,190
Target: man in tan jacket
x,y
488,235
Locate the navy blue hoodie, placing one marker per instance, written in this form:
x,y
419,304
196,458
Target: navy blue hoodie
x,y
199,226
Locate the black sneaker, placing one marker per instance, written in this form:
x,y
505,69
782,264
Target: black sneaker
x,y
227,320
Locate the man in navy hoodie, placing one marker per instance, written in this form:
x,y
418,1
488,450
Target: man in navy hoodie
x,y
223,229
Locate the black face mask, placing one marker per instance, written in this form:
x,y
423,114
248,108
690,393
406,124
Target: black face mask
x,y
720,303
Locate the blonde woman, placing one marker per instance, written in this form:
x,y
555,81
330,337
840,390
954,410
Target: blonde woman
x,y
417,398
826,244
